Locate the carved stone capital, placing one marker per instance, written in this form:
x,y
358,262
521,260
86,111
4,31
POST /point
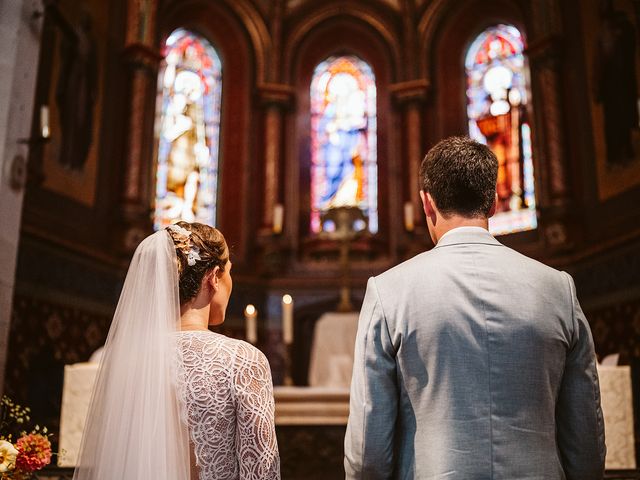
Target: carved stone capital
x,y
545,51
560,227
142,56
275,94
133,225
412,91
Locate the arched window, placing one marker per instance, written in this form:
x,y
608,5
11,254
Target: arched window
x,y
343,140
497,96
188,128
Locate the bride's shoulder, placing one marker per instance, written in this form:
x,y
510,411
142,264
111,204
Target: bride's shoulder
x,y
206,341
247,352
242,352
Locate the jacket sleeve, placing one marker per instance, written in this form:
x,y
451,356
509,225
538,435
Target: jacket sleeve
x,y
580,426
374,396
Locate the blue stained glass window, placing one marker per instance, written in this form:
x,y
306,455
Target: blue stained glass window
x,y
344,168
188,128
497,96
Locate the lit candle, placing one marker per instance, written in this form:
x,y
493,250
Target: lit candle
x,y
251,324
408,216
287,319
44,121
278,218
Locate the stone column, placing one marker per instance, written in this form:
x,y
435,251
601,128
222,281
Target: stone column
x,y
553,189
410,38
545,63
20,32
553,186
143,60
410,96
274,99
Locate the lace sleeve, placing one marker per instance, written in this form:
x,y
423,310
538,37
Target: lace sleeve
x,y
256,444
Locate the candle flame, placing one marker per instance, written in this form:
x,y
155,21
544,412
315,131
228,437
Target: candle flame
x,y
287,299
250,310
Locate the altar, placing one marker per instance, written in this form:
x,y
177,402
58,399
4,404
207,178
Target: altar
x,y
311,421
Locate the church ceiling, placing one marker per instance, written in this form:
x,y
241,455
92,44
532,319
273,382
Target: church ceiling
x,y
264,6
293,5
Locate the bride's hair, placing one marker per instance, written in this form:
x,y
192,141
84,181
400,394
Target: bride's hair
x,y
199,251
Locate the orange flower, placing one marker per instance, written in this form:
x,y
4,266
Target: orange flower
x,y
34,452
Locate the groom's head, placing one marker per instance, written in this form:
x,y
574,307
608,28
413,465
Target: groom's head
x,y
458,179
460,176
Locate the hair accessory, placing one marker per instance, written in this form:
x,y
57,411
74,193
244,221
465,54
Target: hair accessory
x,y
183,243
179,230
193,256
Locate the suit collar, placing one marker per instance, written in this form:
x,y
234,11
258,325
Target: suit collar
x,y
463,235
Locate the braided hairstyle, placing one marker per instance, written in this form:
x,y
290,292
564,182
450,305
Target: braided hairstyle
x,y
211,248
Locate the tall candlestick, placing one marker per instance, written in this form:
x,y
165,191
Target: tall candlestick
x,y
45,132
251,324
287,319
278,218
408,216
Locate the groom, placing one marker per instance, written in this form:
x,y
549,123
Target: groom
x,y
472,361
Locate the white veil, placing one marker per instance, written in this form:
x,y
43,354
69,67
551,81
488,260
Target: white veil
x,y
134,427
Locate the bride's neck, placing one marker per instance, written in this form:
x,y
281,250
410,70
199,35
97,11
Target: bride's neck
x,y
194,316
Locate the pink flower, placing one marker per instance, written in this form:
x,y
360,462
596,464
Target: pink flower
x,y
34,452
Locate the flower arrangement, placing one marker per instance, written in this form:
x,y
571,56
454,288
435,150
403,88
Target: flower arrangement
x,y
21,452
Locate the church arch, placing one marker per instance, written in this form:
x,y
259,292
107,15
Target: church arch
x,y
331,12
343,36
245,15
452,41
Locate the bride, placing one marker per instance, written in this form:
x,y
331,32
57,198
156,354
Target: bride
x,y
174,401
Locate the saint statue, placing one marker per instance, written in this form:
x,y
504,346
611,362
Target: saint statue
x,y
343,126
77,88
616,84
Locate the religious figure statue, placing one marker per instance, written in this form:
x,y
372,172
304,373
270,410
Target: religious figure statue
x,y
342,125
503,137
616,84
77,87
188,151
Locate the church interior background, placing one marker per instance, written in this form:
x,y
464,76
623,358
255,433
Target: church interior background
x,y
265,118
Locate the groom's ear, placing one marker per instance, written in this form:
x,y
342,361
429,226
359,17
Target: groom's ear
x,y
427,204
423,198
494,205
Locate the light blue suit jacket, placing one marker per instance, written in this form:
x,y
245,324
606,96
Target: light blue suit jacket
x,y
473,361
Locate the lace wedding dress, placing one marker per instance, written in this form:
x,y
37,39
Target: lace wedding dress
x,y
226,390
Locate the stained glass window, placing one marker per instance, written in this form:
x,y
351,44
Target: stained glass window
x,y
497,96
188,127
343,140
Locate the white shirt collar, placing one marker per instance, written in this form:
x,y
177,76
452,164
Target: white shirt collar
x,y
463,230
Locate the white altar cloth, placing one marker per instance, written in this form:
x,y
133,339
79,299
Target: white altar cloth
x,y
331,360
76,396
617,409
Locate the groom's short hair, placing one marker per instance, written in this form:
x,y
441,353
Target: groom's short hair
x,y
460,174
